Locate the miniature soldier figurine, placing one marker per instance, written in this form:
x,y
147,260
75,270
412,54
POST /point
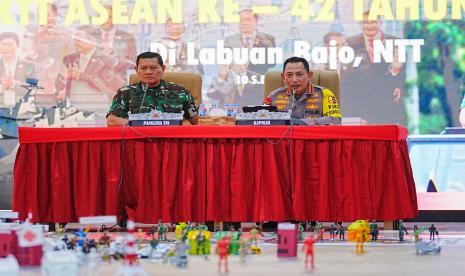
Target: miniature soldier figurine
x,y
139,238
432,231
59,230
374,231
200,240
179,231
153,245
222,249
332,232
80,237
402,229
234,242
319,231
68,243
301,231
162,229
309,226
416,233
203,227
308,249
190,226
181,254
244,249
151,232
254,235
105,239
341,232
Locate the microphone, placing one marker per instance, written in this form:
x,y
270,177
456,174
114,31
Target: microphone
x,y
294,121
145,87
293,101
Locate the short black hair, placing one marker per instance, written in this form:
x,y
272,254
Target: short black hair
x,y
296,60
251,11
149,55
54,7
9,35
327,37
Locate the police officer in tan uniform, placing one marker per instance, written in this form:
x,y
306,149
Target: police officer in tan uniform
x,y
310,104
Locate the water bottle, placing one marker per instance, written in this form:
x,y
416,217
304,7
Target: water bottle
x,y
228,109
235,109
202,110
212,106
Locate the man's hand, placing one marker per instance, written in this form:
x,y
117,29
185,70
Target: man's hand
x,y
73,72
396,94
462,117
223,71
396,65
8,82
113,120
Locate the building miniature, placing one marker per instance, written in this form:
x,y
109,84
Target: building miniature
x,y
287,240
24,241
130,265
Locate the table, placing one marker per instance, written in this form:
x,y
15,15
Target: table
x,y
215,173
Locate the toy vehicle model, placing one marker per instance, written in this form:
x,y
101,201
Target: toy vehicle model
x,y
424,248
255,250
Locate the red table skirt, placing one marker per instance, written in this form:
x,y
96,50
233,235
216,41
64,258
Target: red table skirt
x,y
266,176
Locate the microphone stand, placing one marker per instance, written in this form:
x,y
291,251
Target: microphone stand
x,y
145,87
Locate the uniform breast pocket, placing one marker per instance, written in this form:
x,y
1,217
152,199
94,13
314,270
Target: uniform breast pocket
x,y
138,107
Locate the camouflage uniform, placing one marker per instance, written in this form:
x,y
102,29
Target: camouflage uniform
x,y
316,106
165,96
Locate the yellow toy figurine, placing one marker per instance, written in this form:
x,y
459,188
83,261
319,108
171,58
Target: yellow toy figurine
x,y
359,232
360,239
254,234
180,230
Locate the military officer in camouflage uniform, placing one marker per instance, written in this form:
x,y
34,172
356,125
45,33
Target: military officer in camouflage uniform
x,y
310,104
152,92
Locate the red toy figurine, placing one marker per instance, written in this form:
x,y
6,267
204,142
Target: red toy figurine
x,y
308,249
222,248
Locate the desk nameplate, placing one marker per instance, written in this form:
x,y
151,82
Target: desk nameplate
x,y
155,123
264,122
